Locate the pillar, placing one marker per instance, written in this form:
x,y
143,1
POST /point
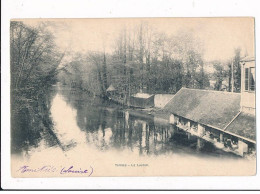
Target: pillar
x,y
171,119
201,130
176,119
199,143
172,131
188,125
221,137
189,136
242,147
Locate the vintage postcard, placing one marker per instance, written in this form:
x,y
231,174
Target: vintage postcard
x,y
133,97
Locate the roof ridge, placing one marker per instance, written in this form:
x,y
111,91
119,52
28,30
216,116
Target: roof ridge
x,y
232,120
173,97
247,59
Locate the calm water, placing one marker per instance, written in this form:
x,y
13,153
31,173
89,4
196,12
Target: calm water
x,y
79,118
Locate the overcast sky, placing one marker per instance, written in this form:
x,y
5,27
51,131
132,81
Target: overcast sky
x,y
220,36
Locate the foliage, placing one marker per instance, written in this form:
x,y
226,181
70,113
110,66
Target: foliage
x,y
34,66
225,74
142,60
237,70
219,75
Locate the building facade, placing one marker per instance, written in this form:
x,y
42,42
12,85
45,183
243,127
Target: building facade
x,y
248,85
226,119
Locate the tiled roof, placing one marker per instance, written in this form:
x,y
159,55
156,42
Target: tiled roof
x,y
243,125
212,108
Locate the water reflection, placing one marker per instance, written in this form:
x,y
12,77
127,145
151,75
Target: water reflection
x,y
72,118
66,130
31,123
108,126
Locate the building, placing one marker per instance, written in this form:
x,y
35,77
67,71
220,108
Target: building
x,y
142,100
208,107
248,85
244,124
224,118
160,100
111,91
115,96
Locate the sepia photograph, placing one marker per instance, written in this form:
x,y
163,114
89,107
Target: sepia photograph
x,y
133,97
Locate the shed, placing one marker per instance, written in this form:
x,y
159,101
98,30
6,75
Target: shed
x,y
160,100
111,90
142,100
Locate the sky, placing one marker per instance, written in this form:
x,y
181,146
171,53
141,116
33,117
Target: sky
x,y
220,36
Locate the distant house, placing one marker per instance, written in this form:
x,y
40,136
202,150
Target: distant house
x,y
111,90
142,100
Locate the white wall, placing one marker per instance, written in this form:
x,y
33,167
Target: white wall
x,y
247,97
160,100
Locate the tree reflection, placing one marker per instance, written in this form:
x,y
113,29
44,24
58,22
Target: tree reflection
x,y
32,124
108,126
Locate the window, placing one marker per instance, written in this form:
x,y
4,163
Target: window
x,y
246,79
250,79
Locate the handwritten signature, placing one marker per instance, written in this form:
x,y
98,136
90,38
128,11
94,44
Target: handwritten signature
x,y
52,169
79,171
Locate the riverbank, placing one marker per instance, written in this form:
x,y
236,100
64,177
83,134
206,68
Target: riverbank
x,y
155,115
161,117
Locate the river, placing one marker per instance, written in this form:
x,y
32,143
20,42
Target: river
x,y
88,131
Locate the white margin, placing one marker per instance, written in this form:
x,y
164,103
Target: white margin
x,y
115,8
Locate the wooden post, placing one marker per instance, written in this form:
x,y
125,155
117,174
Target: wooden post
x,y
176,119
189,136
172,119
168,132
199,144
242,147
188,125
201,130
172,130
221,137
